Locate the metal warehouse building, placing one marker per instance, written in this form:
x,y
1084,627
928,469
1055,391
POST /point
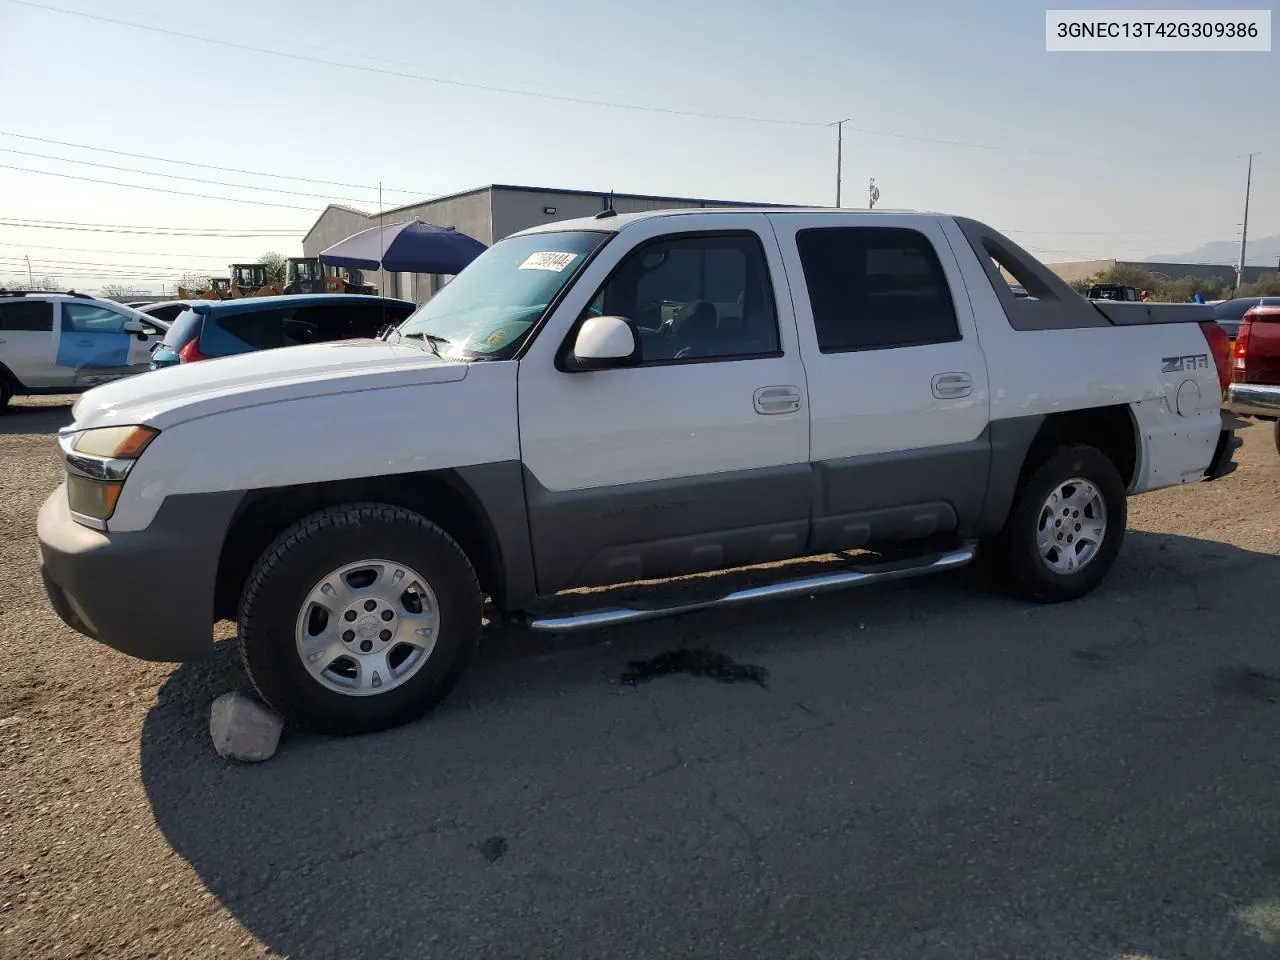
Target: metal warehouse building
x,y
488,214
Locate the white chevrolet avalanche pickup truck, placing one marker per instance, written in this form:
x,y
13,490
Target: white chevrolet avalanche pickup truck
x,y
619,399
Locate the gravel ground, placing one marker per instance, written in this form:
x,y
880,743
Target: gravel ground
x,y
931,771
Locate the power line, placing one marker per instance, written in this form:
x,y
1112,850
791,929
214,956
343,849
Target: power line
x,y
160,231
139,186
405,75
175,176
210,166
75,264
445,81
130,253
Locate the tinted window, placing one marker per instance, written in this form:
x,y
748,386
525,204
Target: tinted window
x,y
872,288
165,313
26,315
1233,311
91,318
695,298
351,321
257,330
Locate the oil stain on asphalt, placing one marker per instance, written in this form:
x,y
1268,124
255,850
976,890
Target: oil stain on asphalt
x,y
696,663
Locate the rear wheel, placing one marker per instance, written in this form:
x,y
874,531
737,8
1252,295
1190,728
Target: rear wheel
x,y
6,392
1066,527
1276,434
359,618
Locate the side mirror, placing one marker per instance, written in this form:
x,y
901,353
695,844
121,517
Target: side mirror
x,y
604,343
133,326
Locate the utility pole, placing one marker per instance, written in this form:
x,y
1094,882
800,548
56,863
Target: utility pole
x,y
31,281
839,125
1244,226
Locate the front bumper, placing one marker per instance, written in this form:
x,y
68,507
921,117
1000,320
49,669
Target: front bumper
x,y
1253,400
147,593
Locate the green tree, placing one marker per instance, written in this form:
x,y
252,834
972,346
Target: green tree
x,y
277,265
1185,289
1267,285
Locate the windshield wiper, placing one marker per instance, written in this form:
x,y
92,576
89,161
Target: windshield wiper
x,y
431,340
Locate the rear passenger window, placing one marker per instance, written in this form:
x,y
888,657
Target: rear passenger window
x,y
30,315
257,330
875,287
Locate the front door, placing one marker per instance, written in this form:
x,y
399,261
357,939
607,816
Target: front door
x,y
697,458
897,379
95,347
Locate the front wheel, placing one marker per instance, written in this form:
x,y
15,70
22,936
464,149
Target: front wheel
x,y
1276,435
359,618
1066,527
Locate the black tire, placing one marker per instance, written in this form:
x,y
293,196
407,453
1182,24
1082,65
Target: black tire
x,y
1013,553
309,551
1276,435
6,392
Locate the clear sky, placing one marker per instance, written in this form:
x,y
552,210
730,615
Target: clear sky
x,y
1078,155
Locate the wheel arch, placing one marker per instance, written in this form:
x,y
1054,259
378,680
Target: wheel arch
x,y
1020,445
8,378
477,506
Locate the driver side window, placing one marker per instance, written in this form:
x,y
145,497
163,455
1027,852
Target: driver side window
x,y
695,298
90,318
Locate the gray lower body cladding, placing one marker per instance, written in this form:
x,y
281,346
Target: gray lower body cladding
x,y
151,593
664,528
148,593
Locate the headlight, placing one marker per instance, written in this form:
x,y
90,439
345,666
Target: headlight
x,y
98,461
114,442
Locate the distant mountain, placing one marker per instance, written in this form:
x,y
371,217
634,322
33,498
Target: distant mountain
x,y
1262,253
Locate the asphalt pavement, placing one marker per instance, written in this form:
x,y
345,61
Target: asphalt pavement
x,y
928,770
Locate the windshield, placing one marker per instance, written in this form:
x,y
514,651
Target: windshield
x,y
490,307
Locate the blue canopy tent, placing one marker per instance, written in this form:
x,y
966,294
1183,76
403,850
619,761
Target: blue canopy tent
x,y
411,247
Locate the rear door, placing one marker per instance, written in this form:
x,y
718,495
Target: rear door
x,y
897,380
26,342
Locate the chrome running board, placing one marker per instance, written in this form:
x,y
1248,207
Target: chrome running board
x,y
594,619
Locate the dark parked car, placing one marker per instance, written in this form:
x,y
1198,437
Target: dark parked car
x,y
1229,313
165,311
221,328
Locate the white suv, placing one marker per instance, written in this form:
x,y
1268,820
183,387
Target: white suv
x,y
54,343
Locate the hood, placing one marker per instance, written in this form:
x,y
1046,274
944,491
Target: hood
x,y
162,398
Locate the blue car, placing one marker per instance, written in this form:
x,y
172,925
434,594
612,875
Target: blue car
x,y
222,328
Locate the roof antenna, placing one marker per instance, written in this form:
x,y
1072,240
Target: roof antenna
x,y
608,211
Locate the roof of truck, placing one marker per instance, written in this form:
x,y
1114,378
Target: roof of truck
x,y
618,221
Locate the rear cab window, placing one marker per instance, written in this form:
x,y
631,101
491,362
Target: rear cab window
x,y
875,288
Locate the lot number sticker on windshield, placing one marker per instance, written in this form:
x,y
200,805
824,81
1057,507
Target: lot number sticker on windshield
x,y
548,260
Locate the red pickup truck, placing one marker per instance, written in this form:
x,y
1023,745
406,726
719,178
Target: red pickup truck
x,y
1254,390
